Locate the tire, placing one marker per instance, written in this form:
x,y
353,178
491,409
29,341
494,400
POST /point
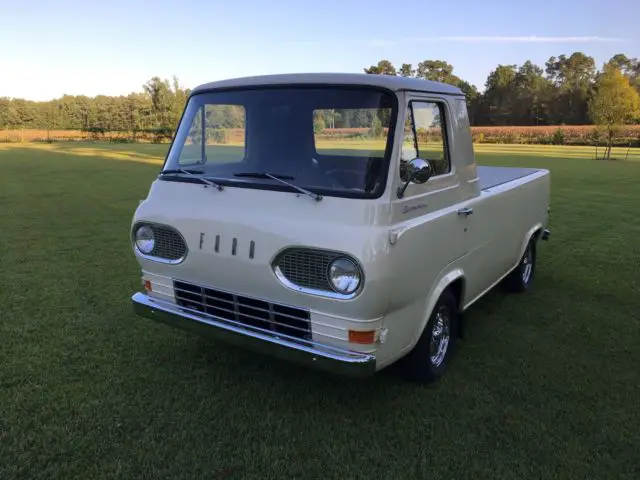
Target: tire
x,y
521,277
424,364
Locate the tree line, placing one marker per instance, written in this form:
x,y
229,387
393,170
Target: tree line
x,y
156,109
565,92
527,94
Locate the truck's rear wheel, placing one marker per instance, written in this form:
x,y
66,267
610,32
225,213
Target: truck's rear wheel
x,y
432,354
520,279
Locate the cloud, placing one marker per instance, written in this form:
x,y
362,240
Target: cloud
x,y
495,39
382,42
529,39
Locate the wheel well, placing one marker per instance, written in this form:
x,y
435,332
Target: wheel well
x,y
537,234
457,288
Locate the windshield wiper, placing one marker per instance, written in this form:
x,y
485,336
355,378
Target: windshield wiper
x,y
193,173
262,175
182,170
279,178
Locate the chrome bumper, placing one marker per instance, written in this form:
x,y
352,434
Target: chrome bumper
x,y
305,352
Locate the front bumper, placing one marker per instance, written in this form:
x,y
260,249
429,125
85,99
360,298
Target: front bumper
x,y
305,352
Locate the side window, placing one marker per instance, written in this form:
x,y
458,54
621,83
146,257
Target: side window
x,y
428,118
224,139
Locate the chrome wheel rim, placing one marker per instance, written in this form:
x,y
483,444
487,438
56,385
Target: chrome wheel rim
x,y
440,334
527,264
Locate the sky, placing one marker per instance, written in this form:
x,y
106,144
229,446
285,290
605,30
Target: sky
x,y
113,47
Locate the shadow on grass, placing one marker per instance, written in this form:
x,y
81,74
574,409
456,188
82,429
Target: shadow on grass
x,y
253,374
540,156
141,153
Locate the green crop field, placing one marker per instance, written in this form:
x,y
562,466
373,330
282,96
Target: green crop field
x,y
545,384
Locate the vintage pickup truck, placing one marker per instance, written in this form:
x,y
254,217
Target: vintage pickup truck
x,y
337,220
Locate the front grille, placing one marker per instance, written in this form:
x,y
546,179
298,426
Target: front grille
x,y
249,311
169,244
307,268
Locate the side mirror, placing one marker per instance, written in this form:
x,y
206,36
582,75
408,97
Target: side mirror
x,y
418,171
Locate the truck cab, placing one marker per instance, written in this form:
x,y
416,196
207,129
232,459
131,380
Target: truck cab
x,y
334,220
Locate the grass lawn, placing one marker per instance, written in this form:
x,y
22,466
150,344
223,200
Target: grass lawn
x,y
545,385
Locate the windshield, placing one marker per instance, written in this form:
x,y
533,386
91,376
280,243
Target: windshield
x,y
330,140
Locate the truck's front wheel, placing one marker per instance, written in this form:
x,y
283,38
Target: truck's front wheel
x,y
432,354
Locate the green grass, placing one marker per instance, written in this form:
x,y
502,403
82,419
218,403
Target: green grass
x,y
545,384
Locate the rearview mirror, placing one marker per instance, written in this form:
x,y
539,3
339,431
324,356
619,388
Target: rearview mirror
x,y
418,171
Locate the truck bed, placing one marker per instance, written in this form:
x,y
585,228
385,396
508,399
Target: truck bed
x,y
489,177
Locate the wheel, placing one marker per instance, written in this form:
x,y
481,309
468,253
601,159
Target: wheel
x,y
520,279
432,354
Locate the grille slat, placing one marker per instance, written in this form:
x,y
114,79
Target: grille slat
x,y
307,268
249,311
169,243
228,304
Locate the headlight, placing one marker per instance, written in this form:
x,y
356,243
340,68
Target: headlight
x,y
145,240
344,275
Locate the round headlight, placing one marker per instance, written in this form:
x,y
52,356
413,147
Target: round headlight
x,y
344,275
145,240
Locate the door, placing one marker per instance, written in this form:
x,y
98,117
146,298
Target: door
x,y
435,235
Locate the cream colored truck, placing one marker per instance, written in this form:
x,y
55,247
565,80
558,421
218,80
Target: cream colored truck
x,y
337,220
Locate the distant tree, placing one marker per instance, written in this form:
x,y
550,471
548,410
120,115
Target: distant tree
x,y
573,78
384,67
437,71
179,95
167,100
318,123
615,102
406,70
470,92
161,98
532,92
137,106
330,117
629,67
5,104
52,117
376,129
499,96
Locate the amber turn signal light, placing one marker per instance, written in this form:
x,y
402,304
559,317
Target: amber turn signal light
x,y
367,337
147,285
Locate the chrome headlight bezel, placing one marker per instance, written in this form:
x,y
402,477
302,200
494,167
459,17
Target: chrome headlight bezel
x,y
320,285
158,252
344,269
145,242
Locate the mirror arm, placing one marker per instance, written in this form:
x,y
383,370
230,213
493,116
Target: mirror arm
x,y
402,188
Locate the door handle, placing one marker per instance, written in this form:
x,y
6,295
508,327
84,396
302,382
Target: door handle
x,y
465,211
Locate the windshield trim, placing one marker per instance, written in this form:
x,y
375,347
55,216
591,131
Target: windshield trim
x,y
386,159
276,187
